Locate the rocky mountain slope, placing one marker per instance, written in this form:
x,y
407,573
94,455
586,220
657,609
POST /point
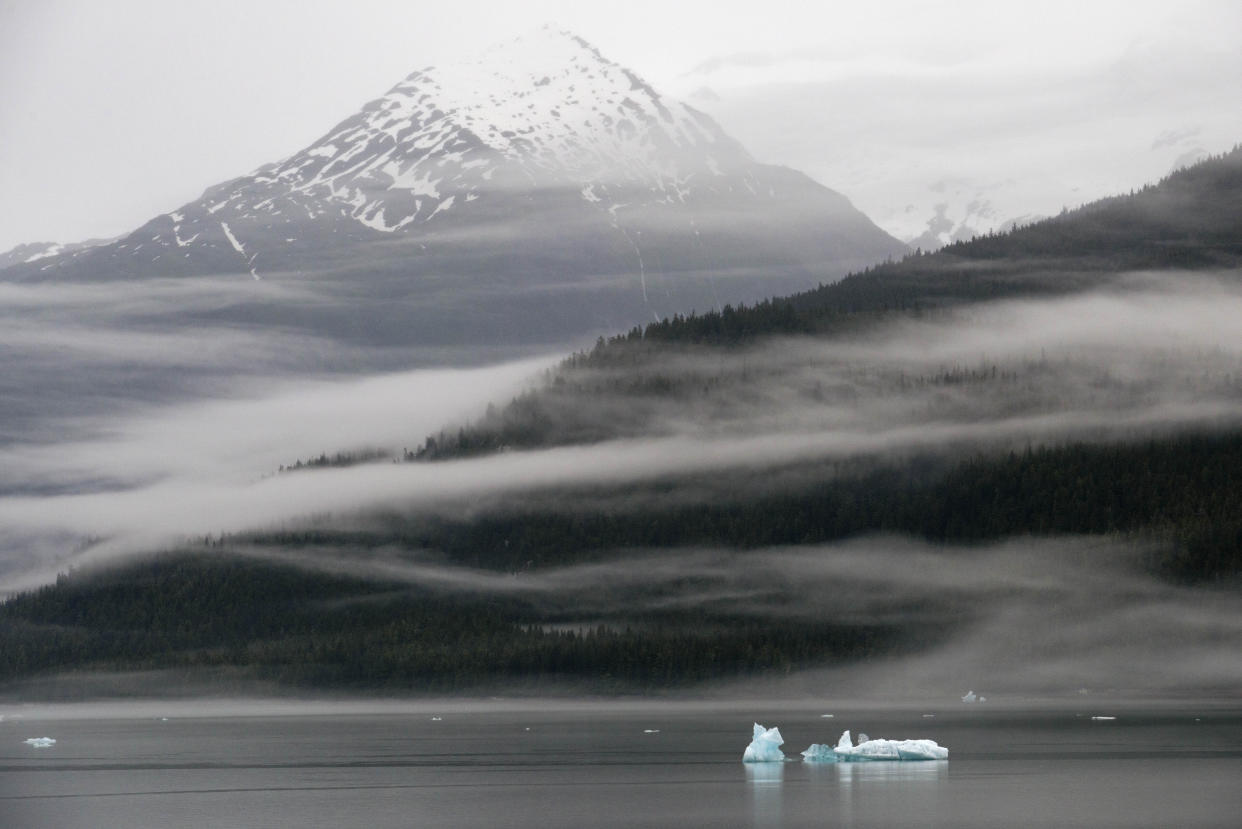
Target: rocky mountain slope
x,y
538,186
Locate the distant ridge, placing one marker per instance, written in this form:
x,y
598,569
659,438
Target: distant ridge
x,y
1190,220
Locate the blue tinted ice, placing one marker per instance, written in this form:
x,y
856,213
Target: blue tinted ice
x,y
868,750
765,747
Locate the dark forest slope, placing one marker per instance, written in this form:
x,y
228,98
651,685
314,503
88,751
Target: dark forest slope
x,y
1169,496
1190,221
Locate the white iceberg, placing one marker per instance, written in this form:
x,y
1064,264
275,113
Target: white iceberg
x,y
870,750
40,742
765,747
971,696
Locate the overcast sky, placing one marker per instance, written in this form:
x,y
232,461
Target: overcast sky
x,y
111,113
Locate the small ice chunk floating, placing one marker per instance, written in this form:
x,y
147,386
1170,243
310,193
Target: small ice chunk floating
x,y
40,742
971,696
871,750
765,746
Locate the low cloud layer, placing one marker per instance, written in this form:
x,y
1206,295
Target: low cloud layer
x,y
239,442
1134,360
1118,631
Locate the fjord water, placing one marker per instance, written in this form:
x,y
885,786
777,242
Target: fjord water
x,y
601,765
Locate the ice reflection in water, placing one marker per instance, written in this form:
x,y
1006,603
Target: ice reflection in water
x,y
849,774
867,788
765,781
841,788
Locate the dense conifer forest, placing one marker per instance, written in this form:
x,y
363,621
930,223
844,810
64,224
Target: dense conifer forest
x,y
192,613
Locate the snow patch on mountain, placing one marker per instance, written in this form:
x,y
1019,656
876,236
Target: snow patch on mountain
x,y
36,251
51,250
237,246
542,111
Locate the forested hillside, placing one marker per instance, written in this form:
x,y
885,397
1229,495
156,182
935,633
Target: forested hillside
x,y
1189,222
1078,380
204,611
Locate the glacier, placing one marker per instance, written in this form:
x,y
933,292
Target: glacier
x,y
765,747
869,750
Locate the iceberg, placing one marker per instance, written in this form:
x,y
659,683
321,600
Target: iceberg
x,y
869,750
819,753
971,696
40,742
765,747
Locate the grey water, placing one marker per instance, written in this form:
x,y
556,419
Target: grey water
x,y
619,765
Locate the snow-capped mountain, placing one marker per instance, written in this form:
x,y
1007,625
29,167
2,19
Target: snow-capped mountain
x,y
540,166
34,251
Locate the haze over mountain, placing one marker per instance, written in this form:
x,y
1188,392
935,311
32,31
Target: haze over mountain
x,y
1157,238
974,127
537,194
1000,460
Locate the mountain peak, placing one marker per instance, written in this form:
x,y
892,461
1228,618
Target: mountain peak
x,y
552,99
537,161
545,109
548,44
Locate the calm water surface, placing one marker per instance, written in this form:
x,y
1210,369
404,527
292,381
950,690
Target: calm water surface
x,y
574,766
